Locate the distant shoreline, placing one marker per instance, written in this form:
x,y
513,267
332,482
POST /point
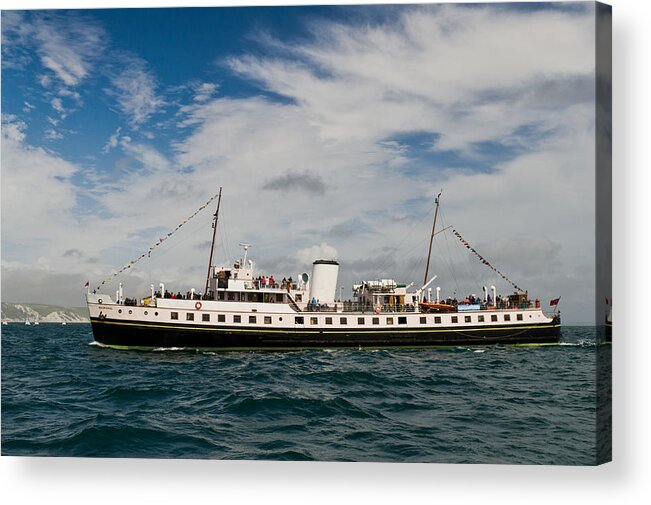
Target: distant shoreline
x,y
22,321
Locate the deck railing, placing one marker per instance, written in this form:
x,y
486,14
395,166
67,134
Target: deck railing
x,y
359,307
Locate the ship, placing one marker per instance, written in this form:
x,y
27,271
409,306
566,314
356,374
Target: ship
x,y
239,311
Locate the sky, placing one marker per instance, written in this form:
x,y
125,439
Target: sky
x,y
330,129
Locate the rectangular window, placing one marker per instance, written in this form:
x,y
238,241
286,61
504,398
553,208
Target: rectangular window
x,y
314,320
230,296
507,317
254,297
519,317
299,297
480,319
221,295
343,320
174,315
455,319
494,317
437,319
360,320
376,320
189,316
468,319
328,320
389,320
205,317
267,319
237,319
279,297
221,318
402,320
299,320
252,319
423,320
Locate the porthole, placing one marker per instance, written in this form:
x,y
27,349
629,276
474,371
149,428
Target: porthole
x,y
155,313
119,311
131,312
280,318
146,312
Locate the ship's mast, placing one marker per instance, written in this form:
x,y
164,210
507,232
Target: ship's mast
x,y
431,240
214,234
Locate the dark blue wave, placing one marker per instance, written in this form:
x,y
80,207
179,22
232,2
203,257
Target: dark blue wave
x,y
534,405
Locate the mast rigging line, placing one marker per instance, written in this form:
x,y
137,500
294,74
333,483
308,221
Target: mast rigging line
x,y
484,261
109,278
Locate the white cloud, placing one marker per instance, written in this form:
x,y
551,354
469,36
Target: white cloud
x,y
446,69
135,89
112,142
37,194
52,134
323,251
13,128
68,45
204,91
147,155
57,105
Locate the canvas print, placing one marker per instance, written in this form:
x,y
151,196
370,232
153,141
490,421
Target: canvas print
x,y
335,233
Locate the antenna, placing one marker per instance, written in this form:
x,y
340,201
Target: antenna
x,y
246,249
431,239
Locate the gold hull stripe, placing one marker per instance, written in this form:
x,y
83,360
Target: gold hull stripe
x,y
312,348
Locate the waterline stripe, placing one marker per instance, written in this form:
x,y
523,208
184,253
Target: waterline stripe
x,y
315,348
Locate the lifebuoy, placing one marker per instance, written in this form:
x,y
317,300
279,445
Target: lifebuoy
x,y
378,309
197,305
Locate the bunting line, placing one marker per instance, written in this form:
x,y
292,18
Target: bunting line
x,y
108,279
484,261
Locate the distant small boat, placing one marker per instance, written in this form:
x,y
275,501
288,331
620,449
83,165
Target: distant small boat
x,y
27,323
5,322
63,323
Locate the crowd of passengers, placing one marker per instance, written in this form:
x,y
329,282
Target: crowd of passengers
x,y
503,302
264,281
189,295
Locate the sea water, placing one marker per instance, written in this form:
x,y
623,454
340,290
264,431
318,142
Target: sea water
x,y
62,395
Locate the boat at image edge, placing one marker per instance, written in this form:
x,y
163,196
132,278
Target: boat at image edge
x,y
238,311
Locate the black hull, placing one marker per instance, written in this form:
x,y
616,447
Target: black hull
x,y
121,334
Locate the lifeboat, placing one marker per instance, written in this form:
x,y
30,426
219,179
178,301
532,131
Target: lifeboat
x,y
437,307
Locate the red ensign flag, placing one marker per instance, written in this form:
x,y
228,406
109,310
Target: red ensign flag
x,y
555,301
